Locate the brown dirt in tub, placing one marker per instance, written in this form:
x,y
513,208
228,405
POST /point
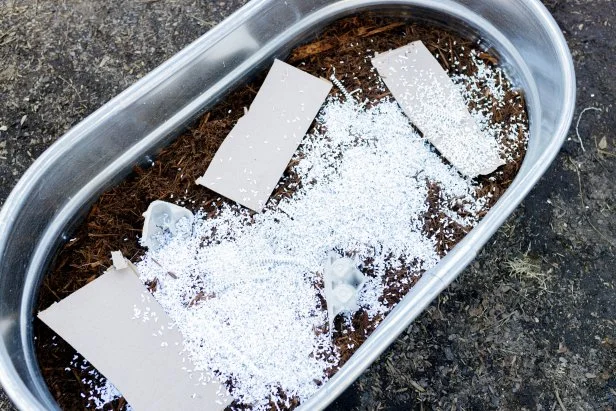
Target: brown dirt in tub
x,y
115,220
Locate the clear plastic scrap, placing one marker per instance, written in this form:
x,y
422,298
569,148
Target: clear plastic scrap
x,y
161,221
343,281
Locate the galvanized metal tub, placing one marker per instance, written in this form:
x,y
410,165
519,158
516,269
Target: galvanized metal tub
x,y
42,209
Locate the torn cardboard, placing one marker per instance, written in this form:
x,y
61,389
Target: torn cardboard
x,y
116,324
251,160
434,105
119,262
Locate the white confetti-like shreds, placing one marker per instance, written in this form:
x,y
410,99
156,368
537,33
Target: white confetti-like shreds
x,y
245,298
473,89
99,394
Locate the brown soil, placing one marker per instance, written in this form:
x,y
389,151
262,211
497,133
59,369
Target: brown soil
x,y
115,220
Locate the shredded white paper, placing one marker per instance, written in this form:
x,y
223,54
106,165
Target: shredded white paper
x,y
473,88
430,99
99,394
247,298
260,308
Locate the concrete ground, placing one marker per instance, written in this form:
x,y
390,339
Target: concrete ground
x,y
531,324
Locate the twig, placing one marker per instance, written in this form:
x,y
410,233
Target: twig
x,y
70,84
203,22
169,273
577,126
52,291
560,402
417,387
577,170
606,153
499,323
79,380
6,33
600,233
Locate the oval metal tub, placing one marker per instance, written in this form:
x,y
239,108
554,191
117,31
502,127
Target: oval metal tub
x,y
98,152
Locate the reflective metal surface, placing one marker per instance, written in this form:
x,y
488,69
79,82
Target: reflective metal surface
x,y
100,150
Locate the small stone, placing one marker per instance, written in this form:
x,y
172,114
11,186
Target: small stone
x,y
562,348
603,143
449,354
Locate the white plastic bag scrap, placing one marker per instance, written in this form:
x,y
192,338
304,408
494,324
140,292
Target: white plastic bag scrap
x,y
161,220
343,281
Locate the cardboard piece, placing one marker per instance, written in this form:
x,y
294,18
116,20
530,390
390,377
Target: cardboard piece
x,y
119,262
433,104
256,152
116,324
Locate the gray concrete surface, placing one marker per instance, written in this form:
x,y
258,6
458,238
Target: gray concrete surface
x,y
531,324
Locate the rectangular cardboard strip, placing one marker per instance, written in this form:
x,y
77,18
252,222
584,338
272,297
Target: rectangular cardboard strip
x,y
433,104
253,157
116,324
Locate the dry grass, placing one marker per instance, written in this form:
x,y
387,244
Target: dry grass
x,y
528,269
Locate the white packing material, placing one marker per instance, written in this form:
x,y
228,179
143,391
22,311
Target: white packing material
x,y
435,106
